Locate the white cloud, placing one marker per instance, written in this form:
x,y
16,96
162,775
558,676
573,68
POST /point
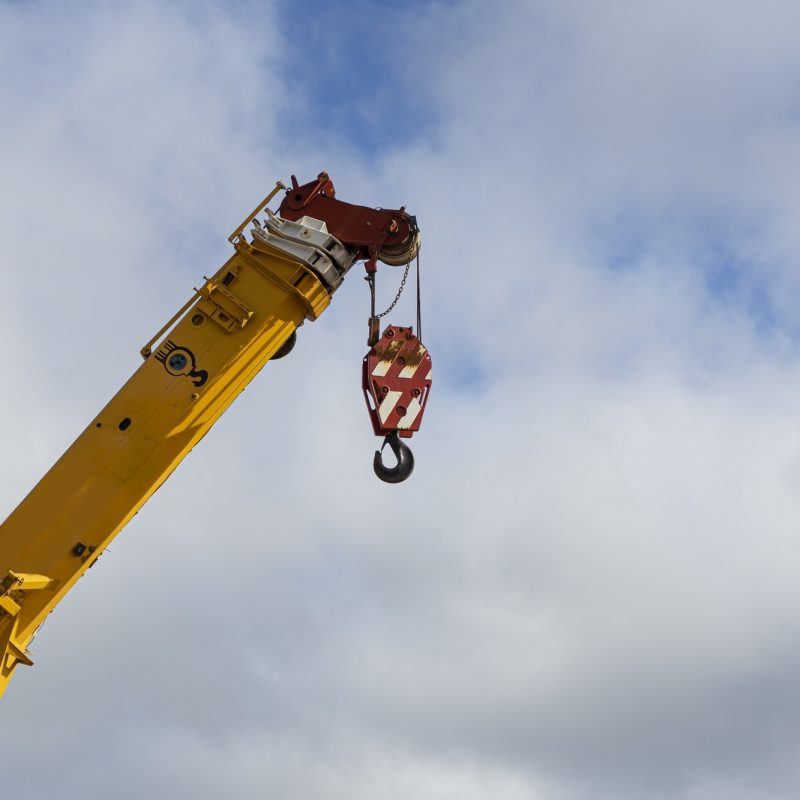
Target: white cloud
x,y
588,587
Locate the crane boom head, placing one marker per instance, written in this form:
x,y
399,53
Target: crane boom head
x,y
388,235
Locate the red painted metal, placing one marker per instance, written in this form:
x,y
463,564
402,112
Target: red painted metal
x,y
397,380
367,230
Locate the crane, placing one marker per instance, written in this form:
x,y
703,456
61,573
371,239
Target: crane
x,y
246,314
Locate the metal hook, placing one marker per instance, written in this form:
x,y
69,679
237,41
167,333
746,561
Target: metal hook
x,y
404,456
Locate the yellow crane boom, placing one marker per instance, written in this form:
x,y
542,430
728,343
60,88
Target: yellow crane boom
x,y
193,369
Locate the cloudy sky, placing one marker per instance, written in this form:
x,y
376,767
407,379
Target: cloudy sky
x,y
589,587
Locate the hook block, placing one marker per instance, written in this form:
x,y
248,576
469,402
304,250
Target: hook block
x,y
396,379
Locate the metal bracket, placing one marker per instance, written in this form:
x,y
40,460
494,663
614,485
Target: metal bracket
x,y
15,581
227,310
11,651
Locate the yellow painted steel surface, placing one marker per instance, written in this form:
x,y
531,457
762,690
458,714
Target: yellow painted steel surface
x,y
236,322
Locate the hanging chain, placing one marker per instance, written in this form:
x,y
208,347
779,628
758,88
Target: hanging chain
x,y
373,318
399,292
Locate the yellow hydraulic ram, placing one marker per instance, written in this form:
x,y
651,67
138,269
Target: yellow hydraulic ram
x,y
194,368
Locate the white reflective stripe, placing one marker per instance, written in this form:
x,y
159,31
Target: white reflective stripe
x,y
408,370
388,404
382,367
412,412
430,372
413,362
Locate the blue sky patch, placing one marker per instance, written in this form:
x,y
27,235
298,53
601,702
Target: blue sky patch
x,y
352,65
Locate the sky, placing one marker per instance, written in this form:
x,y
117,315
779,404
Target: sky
x,y
589,586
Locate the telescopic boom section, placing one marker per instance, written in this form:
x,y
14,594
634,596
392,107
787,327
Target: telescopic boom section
x,y
281,275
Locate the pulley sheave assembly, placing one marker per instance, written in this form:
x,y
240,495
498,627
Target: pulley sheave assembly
x,y
400,254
